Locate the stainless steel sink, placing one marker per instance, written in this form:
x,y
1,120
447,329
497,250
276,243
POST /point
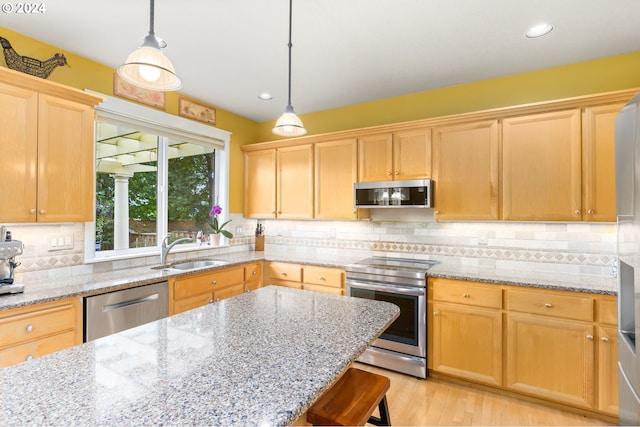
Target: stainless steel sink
x,y
193,265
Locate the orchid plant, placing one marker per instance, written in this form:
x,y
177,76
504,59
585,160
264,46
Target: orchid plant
x,y
214,223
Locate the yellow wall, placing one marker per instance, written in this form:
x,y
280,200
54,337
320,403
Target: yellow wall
x,y
83,73
601,75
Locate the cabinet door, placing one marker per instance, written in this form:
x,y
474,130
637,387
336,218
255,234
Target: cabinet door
x,y
65,161
542,167
253,276
599,163
375,158
412,154
551,358
466,171
336,169
19,147
467,342
192,302
228,292
608,370
295,182
260,184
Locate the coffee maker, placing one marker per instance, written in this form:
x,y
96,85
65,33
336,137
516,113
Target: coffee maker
x,y
9,249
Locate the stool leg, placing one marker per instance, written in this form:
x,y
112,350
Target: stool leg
x,y
384,419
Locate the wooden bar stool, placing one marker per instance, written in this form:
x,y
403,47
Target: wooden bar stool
x,y
352,400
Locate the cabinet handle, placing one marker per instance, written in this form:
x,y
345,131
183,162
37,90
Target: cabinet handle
x,y
435,313
466,295
577,212
29,357
397,173
254,273
214,282
32,211
283,274
210,301
590,211
42,211
590,337
604,339
30,328
548,305
321,278
388,173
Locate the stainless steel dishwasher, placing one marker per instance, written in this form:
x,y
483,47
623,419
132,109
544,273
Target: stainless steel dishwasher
x,y
113,312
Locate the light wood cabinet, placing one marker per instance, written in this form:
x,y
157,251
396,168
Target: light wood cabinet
x,y
314,278
598,162
607,341
39,329
279,183
47,145
336,169
466,171
466,329
252,276
196,290
542,167
395,156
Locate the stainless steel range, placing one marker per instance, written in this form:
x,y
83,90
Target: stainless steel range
x,y
401,281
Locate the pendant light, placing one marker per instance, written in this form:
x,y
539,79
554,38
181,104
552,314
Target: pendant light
x,y
289,124
147,67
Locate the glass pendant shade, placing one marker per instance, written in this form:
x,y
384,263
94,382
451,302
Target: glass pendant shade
x,y
289,124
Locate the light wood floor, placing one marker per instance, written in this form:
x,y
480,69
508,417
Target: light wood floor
x,y
436,402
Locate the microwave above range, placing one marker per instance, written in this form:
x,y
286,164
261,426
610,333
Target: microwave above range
x,y
416,193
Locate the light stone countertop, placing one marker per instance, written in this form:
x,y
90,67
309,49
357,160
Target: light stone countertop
x,y
261,358
66,283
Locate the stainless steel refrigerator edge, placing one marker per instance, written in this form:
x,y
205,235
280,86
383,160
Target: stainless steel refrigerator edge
x,y
627,145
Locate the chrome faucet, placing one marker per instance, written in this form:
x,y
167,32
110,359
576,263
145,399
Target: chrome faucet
x,y
166,248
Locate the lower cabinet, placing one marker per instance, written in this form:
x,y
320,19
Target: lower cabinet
x,y
252,276
558,346
38,330
196,290
313,278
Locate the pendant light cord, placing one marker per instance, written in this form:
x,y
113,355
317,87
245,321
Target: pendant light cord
x,y
151,13
290,45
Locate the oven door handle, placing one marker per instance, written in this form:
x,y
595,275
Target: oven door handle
x,y
418,292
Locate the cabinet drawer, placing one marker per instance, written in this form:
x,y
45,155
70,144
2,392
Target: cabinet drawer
x,y
37,348
228,292
197,284
192,302
607,311
549,303
324,276
286,284
30,325
325,289
468,293
284,271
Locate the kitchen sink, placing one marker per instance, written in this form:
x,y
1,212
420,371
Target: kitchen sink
x,y
192,265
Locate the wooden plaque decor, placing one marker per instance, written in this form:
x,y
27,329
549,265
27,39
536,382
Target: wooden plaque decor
x,y
123,89
197,111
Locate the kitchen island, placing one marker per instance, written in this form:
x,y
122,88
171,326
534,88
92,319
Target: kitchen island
x,y
261,358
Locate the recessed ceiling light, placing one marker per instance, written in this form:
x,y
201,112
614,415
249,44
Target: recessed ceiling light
x,y
265,96
538,30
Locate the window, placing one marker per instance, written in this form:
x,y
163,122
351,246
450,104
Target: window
x,y
156,175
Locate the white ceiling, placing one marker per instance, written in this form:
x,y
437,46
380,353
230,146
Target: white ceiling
x,y
344,51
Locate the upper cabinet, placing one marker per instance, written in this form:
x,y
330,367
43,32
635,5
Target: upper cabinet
x,y
336,169
279,183
542,168
395,156
599,163
466,171
48,150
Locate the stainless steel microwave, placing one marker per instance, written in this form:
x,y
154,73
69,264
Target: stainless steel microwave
x,y
393,194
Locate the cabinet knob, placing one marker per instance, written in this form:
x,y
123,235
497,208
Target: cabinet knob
x,y
210,301
604,339
590,211
283,274
321,278
577,212
548,305
214,282
32,211
397,173
388,173
355,211
466,295
273,212
254,273
29,357
590,337
30,328
217,299
41,211
435,313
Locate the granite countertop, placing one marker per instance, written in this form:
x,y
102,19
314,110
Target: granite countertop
x,y
66,284
261,358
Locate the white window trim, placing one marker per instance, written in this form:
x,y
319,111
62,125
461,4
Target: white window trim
x,y
151,120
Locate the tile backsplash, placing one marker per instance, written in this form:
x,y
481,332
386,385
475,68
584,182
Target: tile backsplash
x,y
586,248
